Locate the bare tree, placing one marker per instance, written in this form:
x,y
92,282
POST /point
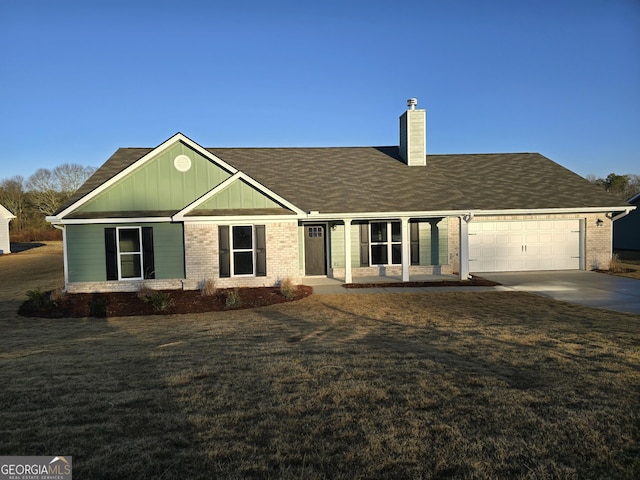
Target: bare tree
x,y
49,189
43,191
13,197
69,177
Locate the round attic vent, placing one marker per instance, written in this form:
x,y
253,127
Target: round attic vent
x,y
182,163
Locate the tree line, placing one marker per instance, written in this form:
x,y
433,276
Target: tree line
x,y
41,194
623,186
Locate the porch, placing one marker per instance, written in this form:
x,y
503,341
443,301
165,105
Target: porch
x,y
327,285
385,249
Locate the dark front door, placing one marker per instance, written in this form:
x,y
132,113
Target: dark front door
x,y
314,250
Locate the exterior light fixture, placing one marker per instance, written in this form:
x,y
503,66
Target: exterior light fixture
x,y
599,222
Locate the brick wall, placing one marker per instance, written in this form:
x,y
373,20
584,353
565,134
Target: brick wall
x,y
390,271
123,286
454,244
598,242
201,252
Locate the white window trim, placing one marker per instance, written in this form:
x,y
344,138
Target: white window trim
x,y
389,243
239,250
139,252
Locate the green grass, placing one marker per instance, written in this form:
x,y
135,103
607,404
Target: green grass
x,y
354,386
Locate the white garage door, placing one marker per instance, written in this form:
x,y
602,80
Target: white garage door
x,y
524,245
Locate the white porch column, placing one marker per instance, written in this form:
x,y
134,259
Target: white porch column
x,y
406,249
347,251
464,246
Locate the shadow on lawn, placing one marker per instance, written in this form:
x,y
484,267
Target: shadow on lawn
x,y
92,391
501,393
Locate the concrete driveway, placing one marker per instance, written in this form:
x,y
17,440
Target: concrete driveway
x,y
584,288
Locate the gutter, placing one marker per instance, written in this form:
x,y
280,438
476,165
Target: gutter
x,y
626,212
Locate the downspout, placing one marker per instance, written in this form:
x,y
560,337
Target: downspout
x,y
64,253
463,256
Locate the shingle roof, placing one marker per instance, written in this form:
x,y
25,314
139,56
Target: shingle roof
x,y
374,179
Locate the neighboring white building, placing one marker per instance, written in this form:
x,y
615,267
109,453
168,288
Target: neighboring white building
x,y
5,217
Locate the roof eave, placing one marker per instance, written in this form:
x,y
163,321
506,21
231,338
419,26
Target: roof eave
x,y
94,221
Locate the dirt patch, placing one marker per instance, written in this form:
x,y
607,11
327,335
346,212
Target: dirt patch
x,y
124,304
473,282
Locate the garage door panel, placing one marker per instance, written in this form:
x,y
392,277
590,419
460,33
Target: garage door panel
x,y
524,245
545,237
503,239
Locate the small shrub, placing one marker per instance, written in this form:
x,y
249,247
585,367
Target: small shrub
x,y
233,299
208,287
39,300
287,289
98,307
58,294
161,301
614,264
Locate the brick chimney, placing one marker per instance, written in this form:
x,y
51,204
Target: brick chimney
x,y
413,135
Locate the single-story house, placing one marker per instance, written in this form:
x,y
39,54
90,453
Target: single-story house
x,y
626,231
180,214
5,217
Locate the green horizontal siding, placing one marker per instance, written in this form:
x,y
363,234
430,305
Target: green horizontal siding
x,y
336,245
355,245
86,251
238,195
301,247
157,185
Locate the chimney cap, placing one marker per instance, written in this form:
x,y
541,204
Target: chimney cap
x,y
411,103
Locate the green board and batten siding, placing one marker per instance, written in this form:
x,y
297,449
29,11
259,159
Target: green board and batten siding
x,y
238,195
157,185
86,251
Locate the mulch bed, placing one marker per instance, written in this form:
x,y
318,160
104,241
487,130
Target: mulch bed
x,y
126,304
123,304
473,282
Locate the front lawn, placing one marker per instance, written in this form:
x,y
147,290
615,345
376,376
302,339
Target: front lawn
x,y
354,386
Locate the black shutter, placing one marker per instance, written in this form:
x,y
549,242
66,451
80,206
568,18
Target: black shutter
x,y
111,253
148,263
225,251
261,251
415,243
364,244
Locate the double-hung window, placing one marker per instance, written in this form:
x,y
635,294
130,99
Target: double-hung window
x,y
129,253
386,243
242,250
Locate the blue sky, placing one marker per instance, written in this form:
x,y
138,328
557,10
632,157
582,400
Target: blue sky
x,y
79,79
